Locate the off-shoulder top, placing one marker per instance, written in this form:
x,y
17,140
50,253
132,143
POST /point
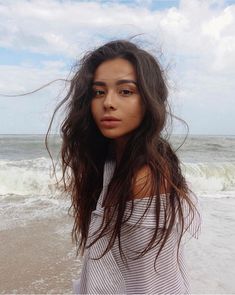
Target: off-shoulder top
x,y
110,275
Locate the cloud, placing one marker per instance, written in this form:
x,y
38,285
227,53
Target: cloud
x,y
65,27
25,77
70,27
197,38
30,113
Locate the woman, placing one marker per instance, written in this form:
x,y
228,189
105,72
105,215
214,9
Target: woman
x,y
130,201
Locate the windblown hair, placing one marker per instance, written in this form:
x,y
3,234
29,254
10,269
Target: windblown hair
x,y
84,150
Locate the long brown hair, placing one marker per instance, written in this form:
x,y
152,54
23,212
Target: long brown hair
x,y
84,150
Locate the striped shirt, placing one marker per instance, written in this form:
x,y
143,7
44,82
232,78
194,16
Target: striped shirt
x,y
110,275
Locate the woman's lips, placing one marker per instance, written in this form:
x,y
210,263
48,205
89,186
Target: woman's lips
x,y
110,123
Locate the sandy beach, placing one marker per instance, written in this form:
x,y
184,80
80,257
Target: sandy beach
x,y
38,258
211,258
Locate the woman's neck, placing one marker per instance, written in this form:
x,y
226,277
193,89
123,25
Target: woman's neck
x,y
117,148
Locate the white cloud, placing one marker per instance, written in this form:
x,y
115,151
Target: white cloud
x,y
68,27
30,113
218,24
198,37
25,77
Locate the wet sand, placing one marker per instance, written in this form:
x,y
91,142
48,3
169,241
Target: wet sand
x,y
38,258
211,258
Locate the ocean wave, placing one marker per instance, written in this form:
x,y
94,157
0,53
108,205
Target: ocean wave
x,y
28,177
34,177
208,178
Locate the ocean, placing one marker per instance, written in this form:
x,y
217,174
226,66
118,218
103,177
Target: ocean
x,y
37,254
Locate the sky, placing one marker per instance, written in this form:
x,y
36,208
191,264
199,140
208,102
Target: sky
x,y
194,40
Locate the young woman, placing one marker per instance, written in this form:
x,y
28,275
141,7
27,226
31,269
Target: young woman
x,y
131,203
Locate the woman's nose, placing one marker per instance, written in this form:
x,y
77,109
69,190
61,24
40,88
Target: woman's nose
x,y
110,100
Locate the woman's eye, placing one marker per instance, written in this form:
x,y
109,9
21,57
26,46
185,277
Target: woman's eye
x,y
126,92
97,92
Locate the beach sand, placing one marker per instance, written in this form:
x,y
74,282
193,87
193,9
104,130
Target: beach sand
x,y
38,258
211,258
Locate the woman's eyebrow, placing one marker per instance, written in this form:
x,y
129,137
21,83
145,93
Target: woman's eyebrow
x,y
123,81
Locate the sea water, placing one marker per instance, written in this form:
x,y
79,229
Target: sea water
x,y
28,194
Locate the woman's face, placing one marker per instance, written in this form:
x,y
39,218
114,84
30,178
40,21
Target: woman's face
x,y
115,94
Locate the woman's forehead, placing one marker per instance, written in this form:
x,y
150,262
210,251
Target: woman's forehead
x,y
113,70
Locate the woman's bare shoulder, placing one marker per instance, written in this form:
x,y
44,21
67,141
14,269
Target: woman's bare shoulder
x,y
142,183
